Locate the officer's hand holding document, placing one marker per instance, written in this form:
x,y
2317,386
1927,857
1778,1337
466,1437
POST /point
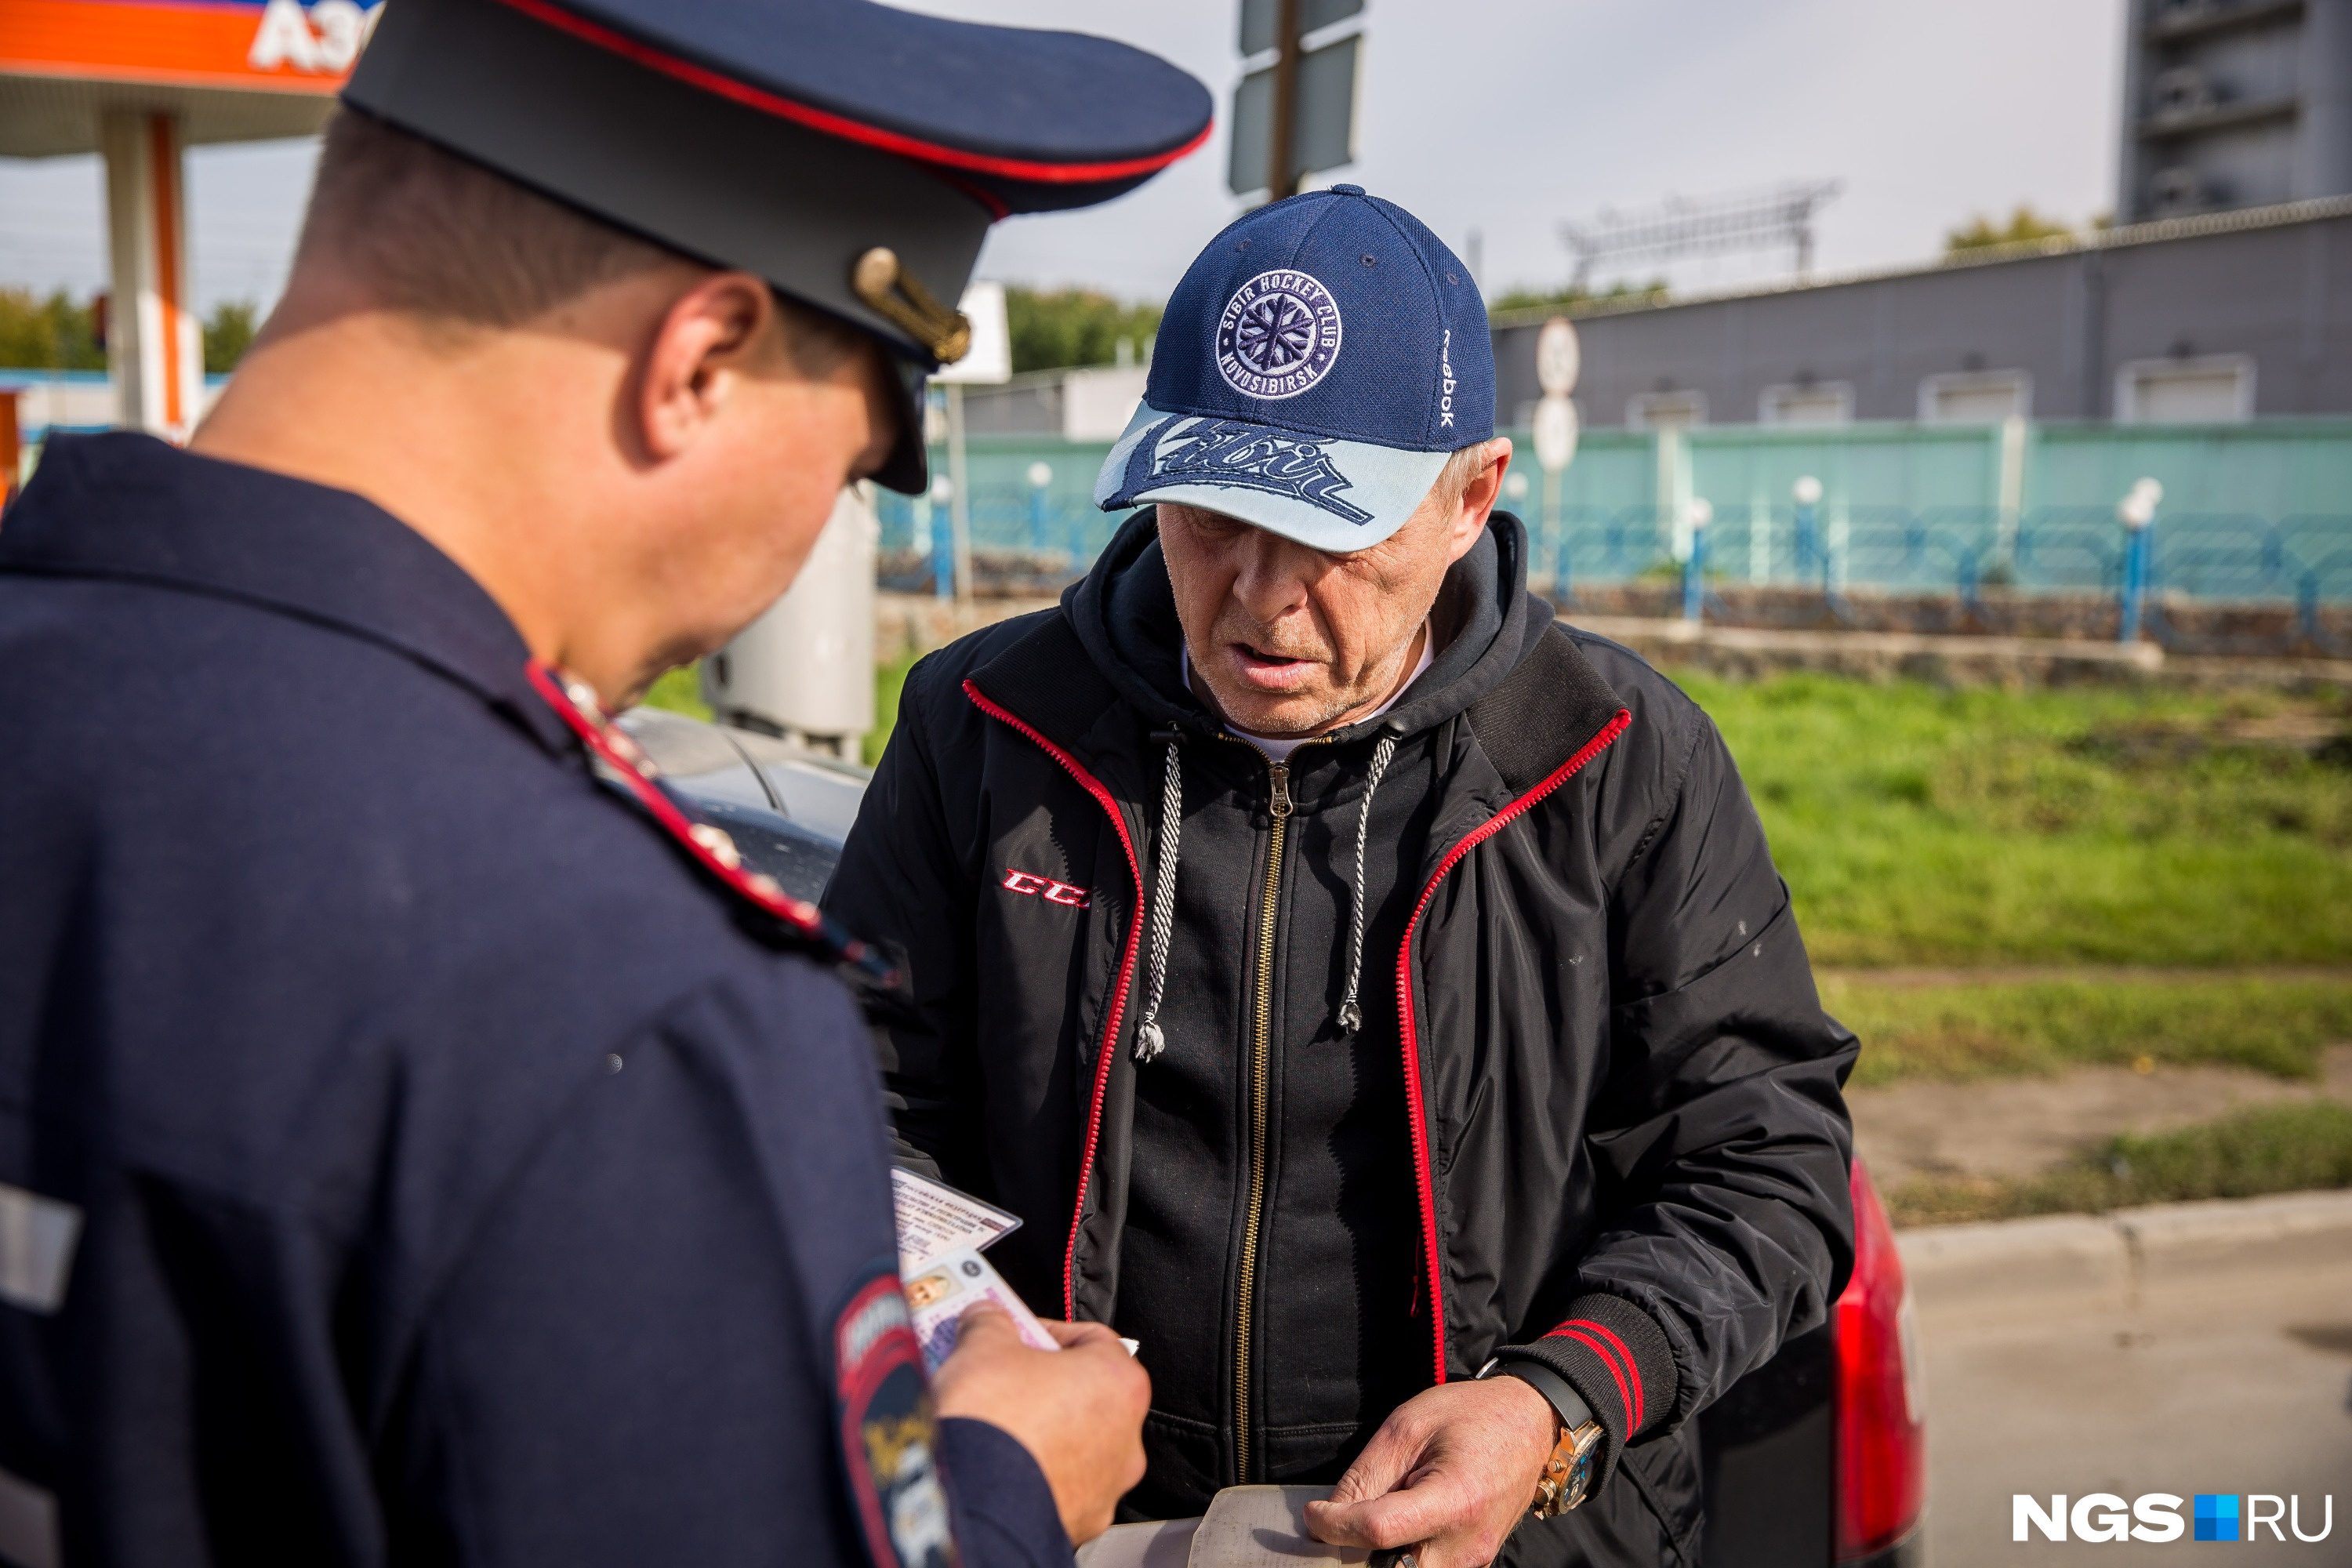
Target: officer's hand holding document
x,y
940,1234
980,1344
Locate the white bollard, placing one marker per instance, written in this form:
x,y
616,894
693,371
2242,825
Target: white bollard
x,y
804,670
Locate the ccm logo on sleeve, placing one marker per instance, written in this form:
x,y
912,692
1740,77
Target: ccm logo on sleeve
x,y
1045,888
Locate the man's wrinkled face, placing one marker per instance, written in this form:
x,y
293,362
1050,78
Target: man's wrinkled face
x,y
1291,641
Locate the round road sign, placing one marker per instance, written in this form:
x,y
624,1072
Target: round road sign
x,y
1555,433
1558,357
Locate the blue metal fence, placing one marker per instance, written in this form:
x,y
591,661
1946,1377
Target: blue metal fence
x,y
2258,514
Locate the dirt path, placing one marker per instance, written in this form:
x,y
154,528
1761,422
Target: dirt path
x,y
2011,1127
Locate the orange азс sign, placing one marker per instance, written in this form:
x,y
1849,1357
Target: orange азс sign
x,y
277,46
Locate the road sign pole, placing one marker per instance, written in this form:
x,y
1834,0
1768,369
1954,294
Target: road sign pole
x,y
960,502
1562,580
1279,180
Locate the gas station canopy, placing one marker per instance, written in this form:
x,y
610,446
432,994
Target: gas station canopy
x,y
139,82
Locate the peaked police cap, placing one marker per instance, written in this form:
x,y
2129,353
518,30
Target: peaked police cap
x,y
852,155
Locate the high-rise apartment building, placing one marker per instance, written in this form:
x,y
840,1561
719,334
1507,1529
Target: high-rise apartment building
x,y
2234,103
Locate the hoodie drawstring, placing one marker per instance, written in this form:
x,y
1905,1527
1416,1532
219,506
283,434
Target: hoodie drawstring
x,y
1149,1038
1350,1016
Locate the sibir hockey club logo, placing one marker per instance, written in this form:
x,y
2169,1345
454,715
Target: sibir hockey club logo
x,y
1279,335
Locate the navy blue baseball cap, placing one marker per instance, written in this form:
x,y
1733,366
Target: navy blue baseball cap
x,y
1317,366
852,155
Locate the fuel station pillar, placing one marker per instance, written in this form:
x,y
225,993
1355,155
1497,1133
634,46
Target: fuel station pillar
x,y
154,346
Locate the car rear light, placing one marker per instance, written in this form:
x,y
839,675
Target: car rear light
x,y
1881,1456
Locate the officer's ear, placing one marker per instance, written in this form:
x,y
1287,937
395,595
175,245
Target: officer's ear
x,y
714,334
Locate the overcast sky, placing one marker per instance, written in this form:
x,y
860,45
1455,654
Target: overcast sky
x,y
1503,116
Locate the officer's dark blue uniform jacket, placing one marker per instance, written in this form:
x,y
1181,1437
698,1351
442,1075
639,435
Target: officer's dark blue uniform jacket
x,y
402,1156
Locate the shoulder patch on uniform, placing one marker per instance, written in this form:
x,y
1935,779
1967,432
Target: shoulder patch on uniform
x,y
890,1436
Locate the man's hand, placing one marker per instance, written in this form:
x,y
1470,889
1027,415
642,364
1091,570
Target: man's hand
x,y
1078,1411
1449,1473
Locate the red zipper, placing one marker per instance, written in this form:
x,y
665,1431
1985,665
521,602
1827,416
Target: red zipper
x,y
1431,1265
1093,787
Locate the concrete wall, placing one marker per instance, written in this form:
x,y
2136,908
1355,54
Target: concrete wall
x,y
2274,286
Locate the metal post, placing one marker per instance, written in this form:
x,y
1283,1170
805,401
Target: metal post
x,y
1698,514
1807,493
1672,484
2011,492
960,497
154,345
1040,476
932,505
1279,181
2135,583
1558,528
2137,512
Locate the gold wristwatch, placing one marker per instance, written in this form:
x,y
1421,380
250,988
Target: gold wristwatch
x,y
1568,1475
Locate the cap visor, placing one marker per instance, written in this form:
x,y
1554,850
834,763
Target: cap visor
x,y
908,468
1326,493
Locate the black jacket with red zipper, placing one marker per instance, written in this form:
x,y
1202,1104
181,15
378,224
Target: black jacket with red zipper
x,y
1592,1092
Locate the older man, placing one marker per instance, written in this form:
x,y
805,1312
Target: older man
x,y
1379,998
421,1141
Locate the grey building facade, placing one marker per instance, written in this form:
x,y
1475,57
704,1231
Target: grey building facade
x,y
2233,103
2215,318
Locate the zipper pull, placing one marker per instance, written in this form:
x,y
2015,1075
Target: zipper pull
x,y
1281,789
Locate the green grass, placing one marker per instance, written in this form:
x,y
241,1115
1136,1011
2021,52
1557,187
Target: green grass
x,y
889,682
1958,1032
680,692
1917,824
2269,1149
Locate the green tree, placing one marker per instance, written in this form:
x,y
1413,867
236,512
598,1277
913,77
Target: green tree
x,y
2024,224
54,334
1052,328
1573,297
228,334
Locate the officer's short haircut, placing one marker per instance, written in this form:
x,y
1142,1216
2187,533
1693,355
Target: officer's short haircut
x,y
428,232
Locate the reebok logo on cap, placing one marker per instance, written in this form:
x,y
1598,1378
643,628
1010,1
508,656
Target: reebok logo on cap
x,y
1320,361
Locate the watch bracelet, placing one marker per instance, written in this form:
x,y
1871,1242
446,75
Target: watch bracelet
x,y
1567,1476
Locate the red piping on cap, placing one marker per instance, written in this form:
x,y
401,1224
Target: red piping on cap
x,y
833,124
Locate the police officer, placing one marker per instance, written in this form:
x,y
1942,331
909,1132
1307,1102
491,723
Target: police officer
x,y
419,1140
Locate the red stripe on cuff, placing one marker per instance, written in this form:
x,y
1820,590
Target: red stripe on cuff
x,y
1624,1399
1633,1367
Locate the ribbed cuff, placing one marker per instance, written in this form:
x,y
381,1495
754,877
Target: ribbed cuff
x,y
1004,1508
1616,1358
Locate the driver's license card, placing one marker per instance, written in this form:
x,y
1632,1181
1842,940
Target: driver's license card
x,y
939,1292
941,1232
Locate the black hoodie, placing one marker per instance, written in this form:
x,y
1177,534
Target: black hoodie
x,y
1594,1095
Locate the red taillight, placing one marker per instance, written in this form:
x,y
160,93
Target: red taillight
x,y
1881,1427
